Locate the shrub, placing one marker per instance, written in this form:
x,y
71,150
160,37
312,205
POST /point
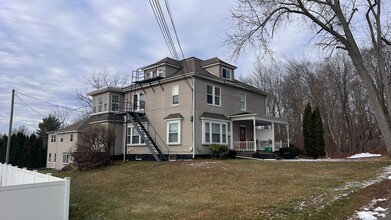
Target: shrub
x,y
94,147
289,152
218,150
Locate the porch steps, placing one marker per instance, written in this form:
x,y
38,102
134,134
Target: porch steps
x,y
258,155
136,120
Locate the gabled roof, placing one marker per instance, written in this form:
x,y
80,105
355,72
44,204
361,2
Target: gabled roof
x,y
166,60
216,61
76,127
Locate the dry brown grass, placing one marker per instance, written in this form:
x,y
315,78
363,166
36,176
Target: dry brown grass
x,y
211,189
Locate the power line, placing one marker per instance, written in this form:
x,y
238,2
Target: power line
x,y
155,5
29,106
48,103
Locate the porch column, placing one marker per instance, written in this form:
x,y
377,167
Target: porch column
x,y
273,136
255,135
287,133
231,135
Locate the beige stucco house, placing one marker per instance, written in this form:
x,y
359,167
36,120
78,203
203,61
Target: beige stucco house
x,y
176,109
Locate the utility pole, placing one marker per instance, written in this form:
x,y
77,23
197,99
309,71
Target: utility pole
x,y
7,156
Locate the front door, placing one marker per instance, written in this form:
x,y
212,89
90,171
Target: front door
x,y
243,133
243,138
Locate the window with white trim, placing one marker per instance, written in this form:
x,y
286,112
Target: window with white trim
x,y
115,103
133,138
105,104
65,158
100,103
243,101
71,138
49,157
174,132
55,157
226,73
94,105
213,95
53,138
138,101
175,95
214,132
62,138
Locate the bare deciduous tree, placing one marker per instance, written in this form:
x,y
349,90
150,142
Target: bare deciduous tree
x,y
98,80
338,24
94,146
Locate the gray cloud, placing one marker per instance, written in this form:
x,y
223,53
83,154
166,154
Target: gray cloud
x,y
47,46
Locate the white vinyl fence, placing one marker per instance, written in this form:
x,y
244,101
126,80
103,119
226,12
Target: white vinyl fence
x,y
31,195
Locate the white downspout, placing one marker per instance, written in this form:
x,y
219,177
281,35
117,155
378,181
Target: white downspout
x,y
273,136
255,135
194,118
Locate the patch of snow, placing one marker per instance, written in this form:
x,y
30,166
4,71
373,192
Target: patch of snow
x,y
380,209
389,177
381,215
364,215
364,155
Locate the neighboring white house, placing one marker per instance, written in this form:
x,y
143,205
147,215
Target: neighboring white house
x,y
61,143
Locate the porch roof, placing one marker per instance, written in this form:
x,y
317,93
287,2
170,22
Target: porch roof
x,y
259,120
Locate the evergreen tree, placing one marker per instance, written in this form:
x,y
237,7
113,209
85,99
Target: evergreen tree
x,y
308,130
50,123
3,147
319,133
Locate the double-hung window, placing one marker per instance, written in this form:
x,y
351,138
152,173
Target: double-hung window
x,y
174,132
115,103
105,103
138,101
71,138
214,132
175,95
65,158
62,138
94,105
226,73
100,103
243,101
49,157
213,95
53,138
133,137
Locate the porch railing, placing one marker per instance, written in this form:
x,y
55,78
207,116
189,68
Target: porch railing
x,y
244,146
248,146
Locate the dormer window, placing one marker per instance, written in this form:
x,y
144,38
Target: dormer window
x,y
226,73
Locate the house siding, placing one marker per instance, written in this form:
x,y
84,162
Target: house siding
x,y
59,148
158,105
230,104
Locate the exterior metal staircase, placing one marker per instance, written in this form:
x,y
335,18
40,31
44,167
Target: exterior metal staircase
x,y
137,121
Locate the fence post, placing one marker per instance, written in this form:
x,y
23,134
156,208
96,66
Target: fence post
x,y
34,175
1,174
48,176
24,174
66,197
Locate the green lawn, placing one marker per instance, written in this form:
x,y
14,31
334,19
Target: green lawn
x,y
212,189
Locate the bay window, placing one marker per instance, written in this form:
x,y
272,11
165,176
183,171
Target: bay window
x,y
214,132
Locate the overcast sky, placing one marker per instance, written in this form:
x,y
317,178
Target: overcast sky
x,y
46,46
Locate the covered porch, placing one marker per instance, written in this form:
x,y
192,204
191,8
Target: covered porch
x,y
252,133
